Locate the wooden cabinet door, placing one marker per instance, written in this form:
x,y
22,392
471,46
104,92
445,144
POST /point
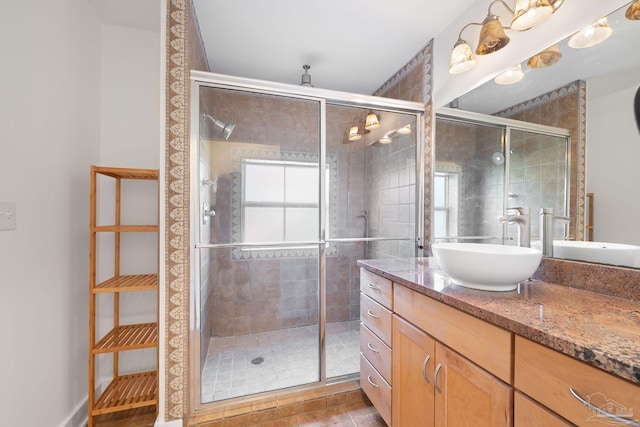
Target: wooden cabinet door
x,y
413,364
467,395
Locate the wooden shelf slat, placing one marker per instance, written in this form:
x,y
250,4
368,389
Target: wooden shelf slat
x,y
128,392
127,173
129,283
125,228
128,337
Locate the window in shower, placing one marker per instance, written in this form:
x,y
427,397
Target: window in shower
x,y
276,199
445,204
279,201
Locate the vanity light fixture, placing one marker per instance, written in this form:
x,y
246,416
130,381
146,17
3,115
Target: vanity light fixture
x,y
530,13
404,130
372,121
546,58
556,4
354,135
633,12
510,76
461,55
492,35
527,14
385,140
591,35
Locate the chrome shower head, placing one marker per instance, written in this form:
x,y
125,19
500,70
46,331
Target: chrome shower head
x,y
225,128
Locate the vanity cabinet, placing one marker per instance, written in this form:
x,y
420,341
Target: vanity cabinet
x,y
376,303
435,385
131,389
559,383
527,413
450,368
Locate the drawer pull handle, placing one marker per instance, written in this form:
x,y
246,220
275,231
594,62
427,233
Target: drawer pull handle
x,y
372,314
371,348
371,382
602,412
424,369
435,378
374,287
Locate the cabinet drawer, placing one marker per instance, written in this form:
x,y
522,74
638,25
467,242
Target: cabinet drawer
x,y
547,376
376,318
487,345
376,389
527,413
376,352
376,287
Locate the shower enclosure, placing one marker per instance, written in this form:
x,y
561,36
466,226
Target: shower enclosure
x,y
286,195
485,165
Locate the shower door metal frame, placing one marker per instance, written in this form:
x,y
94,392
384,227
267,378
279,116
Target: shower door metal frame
x,y
323,97
507,125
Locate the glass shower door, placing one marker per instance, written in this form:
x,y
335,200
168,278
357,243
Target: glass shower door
x,y
260,170
538,177
372,215
469,182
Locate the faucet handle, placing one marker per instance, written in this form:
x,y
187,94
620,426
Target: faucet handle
x,y
520,210
558,218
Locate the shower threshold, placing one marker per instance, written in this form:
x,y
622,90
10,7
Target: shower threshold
x,y
248,364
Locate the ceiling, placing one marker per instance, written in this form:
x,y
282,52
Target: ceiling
x,y
351,45
357,45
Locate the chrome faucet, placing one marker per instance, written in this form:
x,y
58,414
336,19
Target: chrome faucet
x,y
522,217
547,219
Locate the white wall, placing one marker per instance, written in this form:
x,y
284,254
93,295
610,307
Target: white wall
x,y
129,135
613,153
50,121
71,86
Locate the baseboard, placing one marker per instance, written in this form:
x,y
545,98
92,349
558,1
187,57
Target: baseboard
x,y
78,417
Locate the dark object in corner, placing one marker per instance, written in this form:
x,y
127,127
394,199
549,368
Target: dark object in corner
x,y
636,107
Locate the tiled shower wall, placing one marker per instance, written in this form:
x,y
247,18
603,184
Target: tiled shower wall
x,y
393,197
393,175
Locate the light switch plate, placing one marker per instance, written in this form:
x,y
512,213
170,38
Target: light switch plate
x,y
7,215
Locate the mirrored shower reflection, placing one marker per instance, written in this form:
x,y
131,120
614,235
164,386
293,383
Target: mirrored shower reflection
x,y
265,271
483,168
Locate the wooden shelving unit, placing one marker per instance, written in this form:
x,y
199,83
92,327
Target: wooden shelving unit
x,y
132,390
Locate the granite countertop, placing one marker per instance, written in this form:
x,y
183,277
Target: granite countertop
x,y
601,330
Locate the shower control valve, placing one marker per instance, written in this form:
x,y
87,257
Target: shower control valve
x,y
207,213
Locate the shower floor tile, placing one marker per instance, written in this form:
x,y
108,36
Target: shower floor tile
x,y
255,363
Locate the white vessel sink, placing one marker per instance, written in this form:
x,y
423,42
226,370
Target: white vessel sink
x,y
600,252
484,266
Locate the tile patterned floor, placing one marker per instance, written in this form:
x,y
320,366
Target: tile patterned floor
x,y
249,364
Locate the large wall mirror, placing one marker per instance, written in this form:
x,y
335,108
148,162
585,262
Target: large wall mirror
x,y
608,75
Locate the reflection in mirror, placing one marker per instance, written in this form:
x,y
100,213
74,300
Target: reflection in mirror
x,y
589,92
485,166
